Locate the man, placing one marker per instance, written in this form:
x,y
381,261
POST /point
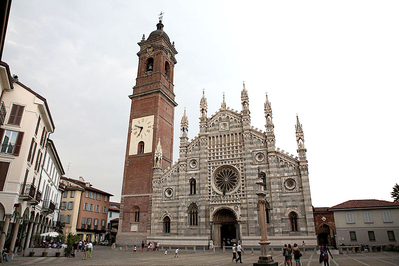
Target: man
x,y
89,249
239,250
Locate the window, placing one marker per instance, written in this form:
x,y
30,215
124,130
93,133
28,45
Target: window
x,y
371,235
104,209
91,194
386,217
166,225
293,221
352,235
61,218
99,196
391,236
16,114
193,214
110,214
11,141
97,208
95,221
63,205
70,205
150,64
349,218
32,149
72,193
140,148
105,198
367,217
86,194
3,173
167,69
193,186
68,219
83,222
38,161
89,221
3,114
84,206
137,216
43,138
37,125
65,194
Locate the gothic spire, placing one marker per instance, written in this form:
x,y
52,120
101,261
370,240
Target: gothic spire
x,y
158,155
203,105
223,103
244,98
271,141
184,125
300,140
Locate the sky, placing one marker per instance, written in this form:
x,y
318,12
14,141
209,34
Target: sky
x,y
334,63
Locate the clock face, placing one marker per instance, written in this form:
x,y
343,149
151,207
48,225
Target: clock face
x,y
142,127
141,138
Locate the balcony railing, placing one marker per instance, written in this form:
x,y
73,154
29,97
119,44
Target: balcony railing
x,y
48,205
28,191
38,195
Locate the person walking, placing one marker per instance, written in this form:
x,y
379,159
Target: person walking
x,y
75,248
135,249
239,250
89,249
297,255
234,252
84,247
324,250
166,252
177,252
142,246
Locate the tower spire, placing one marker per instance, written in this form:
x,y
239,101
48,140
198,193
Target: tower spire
x,y
203,105
300,140
271,140
158,155
184,125
224,102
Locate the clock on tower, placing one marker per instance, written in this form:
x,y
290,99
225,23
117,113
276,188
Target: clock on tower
x,y
151,119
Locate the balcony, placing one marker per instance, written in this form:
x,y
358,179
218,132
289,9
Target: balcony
x,y
28,192
59,224
38,196
48,206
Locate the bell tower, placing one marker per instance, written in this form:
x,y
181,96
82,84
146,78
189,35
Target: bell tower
x,y
151,121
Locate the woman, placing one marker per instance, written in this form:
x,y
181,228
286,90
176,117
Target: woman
x,y
84,247
324,250
288,256
297,255
234,252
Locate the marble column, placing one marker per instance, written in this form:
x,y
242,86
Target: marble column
x,y
4,233
14,235
28,236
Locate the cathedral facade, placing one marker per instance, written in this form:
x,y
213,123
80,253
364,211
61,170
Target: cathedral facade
x,y
209,196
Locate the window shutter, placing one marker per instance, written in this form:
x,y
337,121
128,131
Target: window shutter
x,y
3,173
18,143
18,117
1,134
13,113
37,125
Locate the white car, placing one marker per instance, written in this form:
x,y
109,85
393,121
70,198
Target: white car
x,y
104,242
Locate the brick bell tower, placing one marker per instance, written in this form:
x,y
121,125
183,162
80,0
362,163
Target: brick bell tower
x,y
151,121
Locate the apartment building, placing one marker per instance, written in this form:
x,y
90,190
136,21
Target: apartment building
x,y
84,209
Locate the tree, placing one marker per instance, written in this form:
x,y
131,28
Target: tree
x,y
395,193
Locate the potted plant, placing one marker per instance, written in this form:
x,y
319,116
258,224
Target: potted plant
x,y
71,238
60,240
36,239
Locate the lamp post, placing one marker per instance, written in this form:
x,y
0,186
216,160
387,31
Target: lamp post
x,y
264,258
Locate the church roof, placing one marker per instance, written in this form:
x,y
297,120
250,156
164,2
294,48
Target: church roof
x,y
366,203
159,33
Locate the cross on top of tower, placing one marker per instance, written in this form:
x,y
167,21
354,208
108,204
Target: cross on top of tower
x,y
160,16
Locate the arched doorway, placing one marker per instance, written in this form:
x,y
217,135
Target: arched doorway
x,y
225,228
324,236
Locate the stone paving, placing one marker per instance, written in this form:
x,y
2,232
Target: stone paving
x,y
105,256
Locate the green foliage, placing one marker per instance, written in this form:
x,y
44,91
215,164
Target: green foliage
x,y
395,193
71,238
60,238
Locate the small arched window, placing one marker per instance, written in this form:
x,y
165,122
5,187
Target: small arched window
x,y
193,214
193,186
150,64
166,225
136,211
140,148
167,69
293,221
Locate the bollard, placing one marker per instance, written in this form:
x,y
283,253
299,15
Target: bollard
x,y
224,249
213,249
126,247
204,249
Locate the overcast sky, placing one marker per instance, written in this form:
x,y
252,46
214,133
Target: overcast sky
x,y
335,63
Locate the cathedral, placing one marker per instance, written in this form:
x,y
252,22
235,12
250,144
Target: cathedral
x,y
209,196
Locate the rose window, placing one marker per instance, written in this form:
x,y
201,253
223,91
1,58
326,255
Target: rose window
x,y
226,179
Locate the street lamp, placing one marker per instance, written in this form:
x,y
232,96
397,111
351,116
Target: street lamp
x,y
264,258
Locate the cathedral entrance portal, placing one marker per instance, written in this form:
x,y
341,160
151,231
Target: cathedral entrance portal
x,y
225,228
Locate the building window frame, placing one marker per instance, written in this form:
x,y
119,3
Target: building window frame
x,y
352,235
349,218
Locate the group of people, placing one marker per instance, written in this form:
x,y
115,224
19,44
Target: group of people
x,y
288,251
237,250
152,246
85,247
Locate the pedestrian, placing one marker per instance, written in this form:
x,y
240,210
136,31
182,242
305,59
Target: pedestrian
x,y
80,245
303,246
234,252
288,257
135,248
324,250
285,254
5,254
84,247
90,249
75,248
239,250
142,246
166,252
177,252
297,255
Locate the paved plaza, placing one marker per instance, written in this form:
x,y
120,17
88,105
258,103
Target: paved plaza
x,y
105,256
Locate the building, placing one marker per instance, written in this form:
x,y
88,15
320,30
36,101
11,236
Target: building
x,y
84,209
112,221
209,195
24,151
367,222
325,226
